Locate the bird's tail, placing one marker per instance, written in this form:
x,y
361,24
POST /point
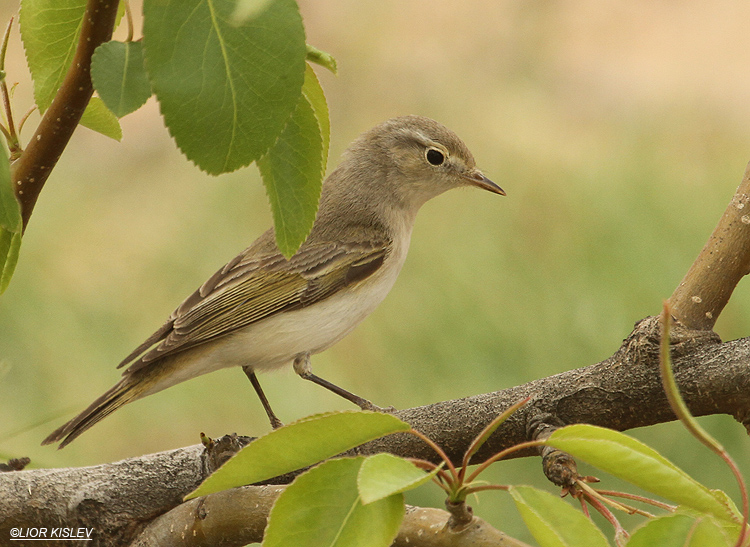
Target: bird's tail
x,y
125,391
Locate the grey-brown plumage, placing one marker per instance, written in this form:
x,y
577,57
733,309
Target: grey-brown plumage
x,y
262,311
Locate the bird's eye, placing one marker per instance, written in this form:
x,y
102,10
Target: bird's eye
x,y
434,156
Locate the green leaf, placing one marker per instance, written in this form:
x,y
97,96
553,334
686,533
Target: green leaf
x,y
10,246
553,522
247,10
10,210
314,55
633,461
101,119
321,508
11,224
383,475
119,76
293,177
724,499
667,531
50,30
298,445
679,531
313,92
708,533
225,90
289,168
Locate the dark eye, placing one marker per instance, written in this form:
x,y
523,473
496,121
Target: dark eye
x,y
435,156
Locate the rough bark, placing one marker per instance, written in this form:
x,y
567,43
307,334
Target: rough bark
x,y
623,392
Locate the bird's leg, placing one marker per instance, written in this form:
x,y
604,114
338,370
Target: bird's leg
x,y
275,422
304,370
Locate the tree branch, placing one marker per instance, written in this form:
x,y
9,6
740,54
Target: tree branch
x,y
31,170
725,259
237,517
714,378
118,499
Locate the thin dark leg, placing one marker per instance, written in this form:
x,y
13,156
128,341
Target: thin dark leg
x,y
275,422
302,368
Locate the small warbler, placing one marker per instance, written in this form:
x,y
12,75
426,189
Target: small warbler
x,y
262,311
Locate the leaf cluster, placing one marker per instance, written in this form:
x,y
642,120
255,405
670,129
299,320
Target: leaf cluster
x,y
359,501
232,82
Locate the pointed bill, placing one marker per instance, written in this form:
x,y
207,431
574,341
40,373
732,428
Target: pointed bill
x,y
476,178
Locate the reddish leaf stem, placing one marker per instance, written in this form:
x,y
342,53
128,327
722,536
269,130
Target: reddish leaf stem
x,y
440,452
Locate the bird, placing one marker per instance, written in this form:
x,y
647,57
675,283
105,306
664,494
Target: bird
x,y
262,311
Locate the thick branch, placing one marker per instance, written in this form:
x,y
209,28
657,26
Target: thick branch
x,y
237,517
31,170
724,260
623,392
113,498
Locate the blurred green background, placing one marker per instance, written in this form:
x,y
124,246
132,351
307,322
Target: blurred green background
x,y
619,131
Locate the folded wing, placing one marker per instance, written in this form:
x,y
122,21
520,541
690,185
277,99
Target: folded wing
x,y
249,289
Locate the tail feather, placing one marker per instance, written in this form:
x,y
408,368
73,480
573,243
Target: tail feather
x,y
121,393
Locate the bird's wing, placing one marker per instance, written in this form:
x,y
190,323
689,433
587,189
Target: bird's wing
x,y
251,288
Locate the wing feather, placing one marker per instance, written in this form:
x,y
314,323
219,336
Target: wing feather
x,y
251,288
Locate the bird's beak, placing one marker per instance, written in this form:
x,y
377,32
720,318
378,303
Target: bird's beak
x,y
476,178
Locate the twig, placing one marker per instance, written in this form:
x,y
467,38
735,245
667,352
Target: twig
x,y
691,424
31,170
129,19
24,118
724,260
10,131
5,132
